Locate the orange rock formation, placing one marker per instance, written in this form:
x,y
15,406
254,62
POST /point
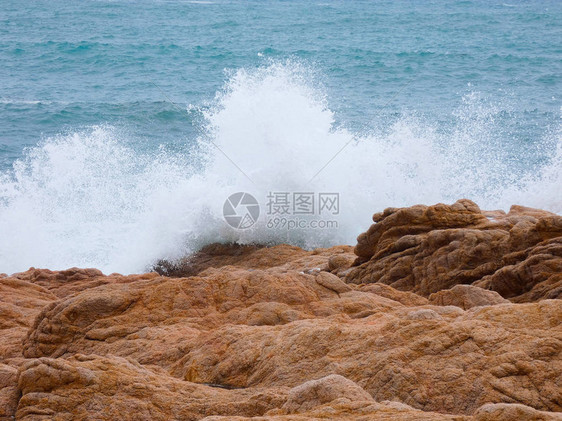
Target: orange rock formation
x,y
439,313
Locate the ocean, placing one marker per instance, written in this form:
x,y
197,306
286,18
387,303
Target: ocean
x,y
126,125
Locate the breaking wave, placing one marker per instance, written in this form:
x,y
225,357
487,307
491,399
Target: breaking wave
x,y
92,199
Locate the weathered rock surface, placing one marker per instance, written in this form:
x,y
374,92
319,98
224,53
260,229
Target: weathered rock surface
x,y
9,393
91,387
426,249
449,313
259,257
318,392
530,275
508,412
20,302
466,296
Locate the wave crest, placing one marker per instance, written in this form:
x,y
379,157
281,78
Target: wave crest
x,y
91,199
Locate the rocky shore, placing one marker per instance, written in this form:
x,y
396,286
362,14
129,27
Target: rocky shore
x,y
441,312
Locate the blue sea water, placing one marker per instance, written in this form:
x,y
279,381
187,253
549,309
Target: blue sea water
x,y
109,110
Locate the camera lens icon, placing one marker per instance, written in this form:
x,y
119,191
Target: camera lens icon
x,y
241,210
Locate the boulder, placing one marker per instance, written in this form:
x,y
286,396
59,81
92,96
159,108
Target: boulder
x,y
426,249
321,391
466,296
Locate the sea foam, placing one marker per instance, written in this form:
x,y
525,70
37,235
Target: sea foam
x,y
90,199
